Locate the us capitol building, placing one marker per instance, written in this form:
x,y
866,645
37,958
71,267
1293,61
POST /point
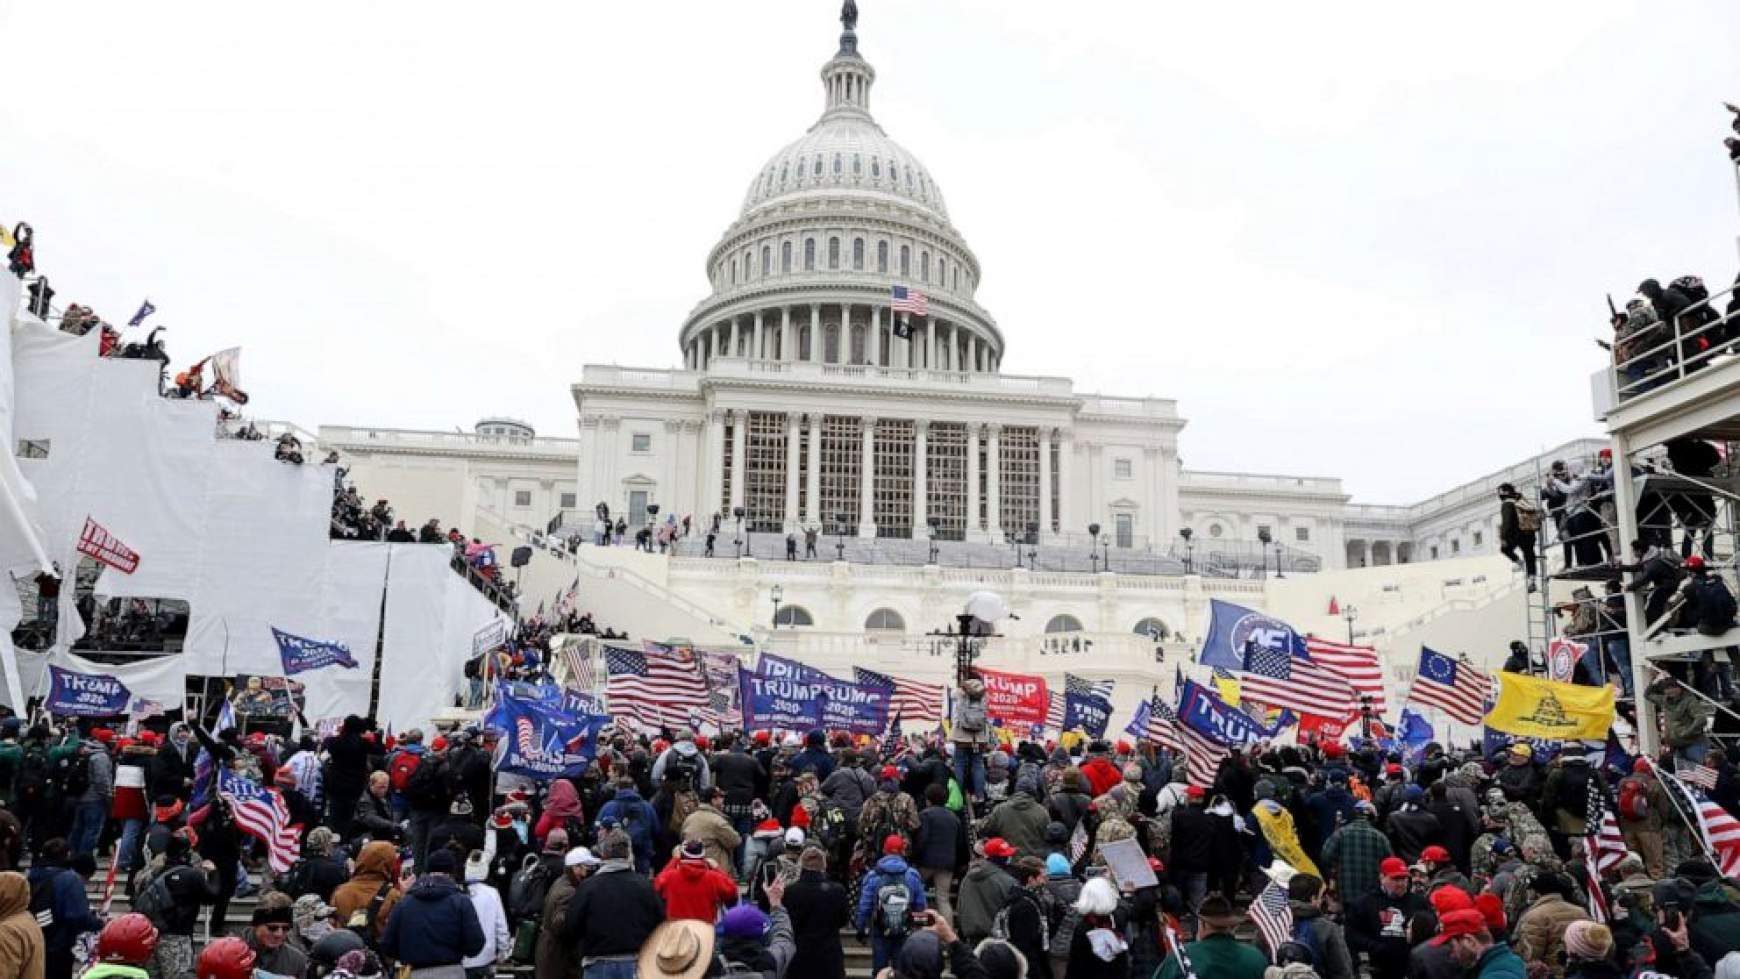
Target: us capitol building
x,y
805,400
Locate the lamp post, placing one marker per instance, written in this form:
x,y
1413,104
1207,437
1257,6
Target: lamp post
x,y
777,593
933,547
1186,533
1094,547
839,537
1263,560
738,540
1349,613
1278,572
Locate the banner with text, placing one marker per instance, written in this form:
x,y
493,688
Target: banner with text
x,y
839,705
85,694
540,739
1091,714
1218,721
300,654
1014,699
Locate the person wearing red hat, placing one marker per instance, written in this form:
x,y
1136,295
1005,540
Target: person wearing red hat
x,y
1491,907
1472,947
887,812
890,892
1377,922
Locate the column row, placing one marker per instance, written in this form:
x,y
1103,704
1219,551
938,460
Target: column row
x,y
813,334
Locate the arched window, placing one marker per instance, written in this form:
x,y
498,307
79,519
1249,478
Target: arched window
x,y
884,620
785,256
942,278
792,616
838,164
1063,623
875,168
858,254
734,271
766,261
767,184
957,278
747,265
1153,628
894,173
809,254
909,180
924,266
833,253
905,260
882,256
803,164
784,168
857,165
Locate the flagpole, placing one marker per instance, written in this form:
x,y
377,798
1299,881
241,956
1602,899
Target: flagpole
x,y
1695,826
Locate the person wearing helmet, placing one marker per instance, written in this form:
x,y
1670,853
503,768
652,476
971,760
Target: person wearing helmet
x,y
125,945
226,958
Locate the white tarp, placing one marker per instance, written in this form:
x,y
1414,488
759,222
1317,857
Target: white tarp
x,y
221,525
22,551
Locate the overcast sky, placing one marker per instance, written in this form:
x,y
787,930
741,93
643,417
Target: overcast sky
x,y
1356,240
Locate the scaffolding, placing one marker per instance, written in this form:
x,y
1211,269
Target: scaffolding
x,y
1671,404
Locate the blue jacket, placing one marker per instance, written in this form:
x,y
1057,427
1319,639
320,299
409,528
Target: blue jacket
x,y
434,924
816,758
637,819
72,909
889,870
1499,962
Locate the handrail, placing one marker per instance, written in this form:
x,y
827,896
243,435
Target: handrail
x,y
1672,349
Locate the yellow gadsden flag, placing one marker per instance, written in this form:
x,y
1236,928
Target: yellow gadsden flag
x,y
1529,707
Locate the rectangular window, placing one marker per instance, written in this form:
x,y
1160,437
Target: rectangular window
x,y
522,498
945,476
33,448
1477,538
764,478
1018,487
842,455
640,442
1456,546
568,501
1262,531
1121,468
1124,525
1302,533
891,488
1434,552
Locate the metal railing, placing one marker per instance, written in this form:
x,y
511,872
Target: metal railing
x,y
1690,348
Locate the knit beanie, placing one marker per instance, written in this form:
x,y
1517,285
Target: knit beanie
x,y
1587,941
1057,865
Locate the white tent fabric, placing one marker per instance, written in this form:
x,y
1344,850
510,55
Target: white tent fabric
x,y
432,615
22,547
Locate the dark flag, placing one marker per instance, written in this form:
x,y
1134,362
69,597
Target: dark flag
x,y
145,309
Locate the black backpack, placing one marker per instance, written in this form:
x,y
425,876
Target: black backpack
x,y
528,889
299,880
1716,606
73,774
32,785
427,786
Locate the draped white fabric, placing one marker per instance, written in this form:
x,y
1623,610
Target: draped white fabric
x,y
22,547
432,615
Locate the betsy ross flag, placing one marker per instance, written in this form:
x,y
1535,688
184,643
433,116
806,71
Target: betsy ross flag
x,y
1279,678
658,686
1455,687
1273,917
1358,665
912,700
261,813
910,301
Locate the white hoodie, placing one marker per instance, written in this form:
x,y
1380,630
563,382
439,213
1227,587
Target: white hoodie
x,y
497,943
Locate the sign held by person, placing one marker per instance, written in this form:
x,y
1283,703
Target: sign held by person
x,y
85,694
103,547
300,654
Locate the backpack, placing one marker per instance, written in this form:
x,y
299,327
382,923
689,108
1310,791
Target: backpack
x,y
971,719
405,765
1692,286
1306,936
155,900
1716,606
1528,516
1633,798
73,774
299,880
830,826
33,774
42,902
426,788
528,888
362,920
1000,923
893,900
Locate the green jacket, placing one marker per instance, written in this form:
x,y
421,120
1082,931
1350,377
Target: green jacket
x,y
1220,956
1683,721
106,970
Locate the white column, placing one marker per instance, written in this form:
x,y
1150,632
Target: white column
x,y
815,333
1066,515
972,352
873,342
713,488
757,348
792,434
921,437
1044,482
731,351
993,483
814,475
707,348
739,441
787,339
931,330
973,524
846,334
867,479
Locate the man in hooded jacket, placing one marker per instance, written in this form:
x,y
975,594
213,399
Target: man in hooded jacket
x,y
21,942
890,871
436,925
376,876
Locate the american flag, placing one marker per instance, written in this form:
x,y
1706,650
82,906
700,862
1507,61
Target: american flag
x,y
1695,773
1280,679
1081,687
1156,721
565,602
657,687
1203,756
894,746
1605,847
1273,917
1719,831
261,813
582,675
912,700
1078,841
1358,665
910,301
1175,946
1457,688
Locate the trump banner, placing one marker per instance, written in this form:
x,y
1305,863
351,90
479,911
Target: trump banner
x,y
1087,712
85,694
1534,708
300,655
836,704
540,739
1231,626
1208,715
103,547
1014,699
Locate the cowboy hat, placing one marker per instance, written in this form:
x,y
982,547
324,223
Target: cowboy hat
x,y
681,949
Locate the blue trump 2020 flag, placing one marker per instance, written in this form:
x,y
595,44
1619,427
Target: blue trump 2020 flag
x,y
541,740
301,654
85,694
1231,626
1088,712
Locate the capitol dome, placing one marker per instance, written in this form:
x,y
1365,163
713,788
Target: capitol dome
x,y
834,229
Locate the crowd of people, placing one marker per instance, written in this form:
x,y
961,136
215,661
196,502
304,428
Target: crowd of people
x,y
674,854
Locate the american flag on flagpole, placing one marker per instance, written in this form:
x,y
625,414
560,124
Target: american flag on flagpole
x,y
1455,687
894,746
582,675
261,813
1156,721
1054,711
1695,773
658,686
912,700
1718,830
1078,841
912,301
1604,847
1358,665
1273,917
1280,679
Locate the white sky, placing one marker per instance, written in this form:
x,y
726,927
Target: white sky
x,y
1357,239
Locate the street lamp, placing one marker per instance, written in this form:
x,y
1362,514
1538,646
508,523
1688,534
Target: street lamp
x,y
1186,533
1094,547
839,537
1278,572
933,548
777,593
1349,613
738,513
1263,538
